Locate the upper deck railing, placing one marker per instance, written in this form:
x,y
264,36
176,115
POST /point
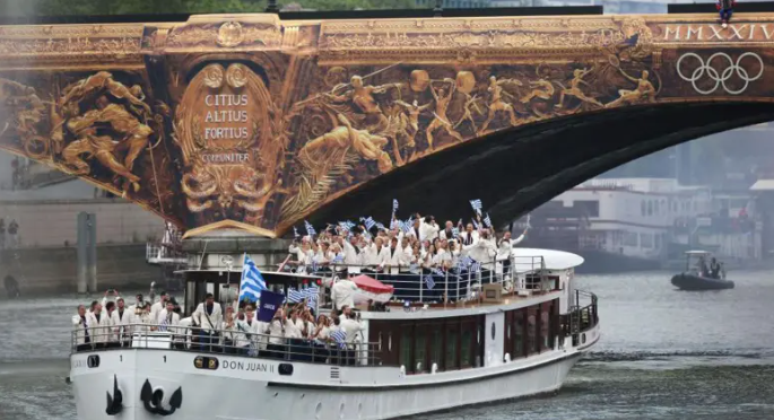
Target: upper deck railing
x,y
429,285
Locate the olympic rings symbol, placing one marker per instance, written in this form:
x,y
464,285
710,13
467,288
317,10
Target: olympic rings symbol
x,y
720,78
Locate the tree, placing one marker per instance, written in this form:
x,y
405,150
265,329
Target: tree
x,y
123,7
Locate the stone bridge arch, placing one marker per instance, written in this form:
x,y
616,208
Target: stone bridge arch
x,y
259,123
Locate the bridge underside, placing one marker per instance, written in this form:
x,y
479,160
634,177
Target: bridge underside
x,y
516,171
260,123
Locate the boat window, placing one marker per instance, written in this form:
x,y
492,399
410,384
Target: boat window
x,y
465,349
436,346
518,334
451,348
544,323
420,351
406,343
532,343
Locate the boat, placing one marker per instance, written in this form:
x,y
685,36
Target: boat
x,y
694,279
469,338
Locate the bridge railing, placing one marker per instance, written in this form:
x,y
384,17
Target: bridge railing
x,y
231,341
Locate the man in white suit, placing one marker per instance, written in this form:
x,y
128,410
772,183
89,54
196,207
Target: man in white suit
x,y
121,318
98,325
209,317
80,323
168,321
159,306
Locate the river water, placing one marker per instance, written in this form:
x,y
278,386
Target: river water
x,y
664,354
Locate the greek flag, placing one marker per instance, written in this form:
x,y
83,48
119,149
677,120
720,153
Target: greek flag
x,y
394,205
379,226
252,282
429,281
465,263
406,226
309,228
369,222
339,337
488,221
310,294
477,205
437,272
455,232
338,259
350,224
475,267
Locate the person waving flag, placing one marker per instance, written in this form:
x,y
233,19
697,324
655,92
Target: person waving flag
x,y
252,283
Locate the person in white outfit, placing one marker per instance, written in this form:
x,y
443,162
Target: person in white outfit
x,y
157,307
169,321
343,293
99,326
80,323
122,320
208,316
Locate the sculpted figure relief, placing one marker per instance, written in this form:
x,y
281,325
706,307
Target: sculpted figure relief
x,y
109,123
23,111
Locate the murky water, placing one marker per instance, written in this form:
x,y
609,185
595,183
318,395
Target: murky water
x,y
664,354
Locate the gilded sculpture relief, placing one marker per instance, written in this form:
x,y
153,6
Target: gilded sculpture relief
x,y
263,122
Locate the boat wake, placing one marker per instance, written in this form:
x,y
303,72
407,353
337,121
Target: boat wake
x,y
635,356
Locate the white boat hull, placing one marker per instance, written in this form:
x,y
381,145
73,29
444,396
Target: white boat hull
x,y
249,388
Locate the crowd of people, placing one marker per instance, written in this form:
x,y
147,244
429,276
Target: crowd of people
x,y
406,254
293,333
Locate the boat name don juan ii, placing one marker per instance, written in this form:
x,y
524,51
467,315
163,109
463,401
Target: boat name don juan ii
x,y
405,344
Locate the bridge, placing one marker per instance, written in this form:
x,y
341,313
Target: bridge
x,y
262,121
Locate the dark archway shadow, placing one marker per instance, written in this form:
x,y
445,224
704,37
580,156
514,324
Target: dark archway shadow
x,y
517,170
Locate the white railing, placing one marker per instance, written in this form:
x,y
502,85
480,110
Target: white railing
x,y
232,341
419,284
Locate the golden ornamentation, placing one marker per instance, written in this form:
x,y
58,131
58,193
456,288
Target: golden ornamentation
x,y
213,77
236,75
330,105
230,34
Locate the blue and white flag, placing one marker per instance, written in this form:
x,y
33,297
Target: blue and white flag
x,y
477,205
475,267
437,271
465,263
340,338
379,226
309,228
429,281
350,224
310,294
252,283
338,259
369,222
488,221
406,226
395,224
163,325
455,233
475,224
394,205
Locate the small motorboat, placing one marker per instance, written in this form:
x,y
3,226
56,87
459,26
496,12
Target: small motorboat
x,y
698,277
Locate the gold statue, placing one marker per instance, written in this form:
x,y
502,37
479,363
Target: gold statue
x,y
541,89
497,104
345,138
410,125
441,121
575,90
644,92
467,115
103,93
363,97
24,110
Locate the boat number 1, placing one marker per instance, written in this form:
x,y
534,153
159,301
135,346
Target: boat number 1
x,y
121,358
165,358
